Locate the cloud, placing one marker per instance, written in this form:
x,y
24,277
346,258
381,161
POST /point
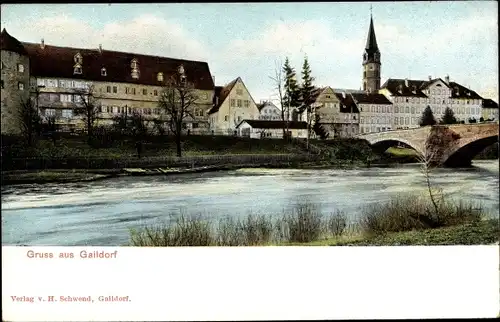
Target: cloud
x,y
146,34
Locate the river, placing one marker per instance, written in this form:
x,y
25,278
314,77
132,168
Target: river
x,y
102,213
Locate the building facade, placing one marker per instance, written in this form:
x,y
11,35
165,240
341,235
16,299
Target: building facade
x,y
259,129
411,97
269,111
59,78
375,112
231,105
489,110
15,80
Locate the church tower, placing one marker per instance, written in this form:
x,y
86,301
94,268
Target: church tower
x,y
371,62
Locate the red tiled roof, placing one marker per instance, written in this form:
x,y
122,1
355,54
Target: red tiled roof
x,y
221,93
54,61
9,43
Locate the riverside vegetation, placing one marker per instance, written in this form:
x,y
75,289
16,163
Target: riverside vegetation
x,y
404,220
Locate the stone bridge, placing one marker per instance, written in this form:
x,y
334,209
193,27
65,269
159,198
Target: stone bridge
x,y
448,145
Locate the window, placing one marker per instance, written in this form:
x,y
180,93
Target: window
x,y
108,89
67,113
407,109
406,100
109,109
103,71
226,117
239,91
396,109
396,121
1,83
50,112
239,103
144,91
159,77
412,110
116,109
233,102
115,89
20,86
133,90
78,58
247,103
20,68
239,119
133,64
155,92
126,90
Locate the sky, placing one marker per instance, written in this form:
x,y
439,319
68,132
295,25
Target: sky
x,y
249,40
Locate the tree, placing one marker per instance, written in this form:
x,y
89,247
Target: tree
x,y
279,86
29,120
89,108
448,117
138,125
177,101
159,126
121,123
292,92
307,97
427,117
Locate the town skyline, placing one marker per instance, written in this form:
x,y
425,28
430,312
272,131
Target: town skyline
x,y
414,38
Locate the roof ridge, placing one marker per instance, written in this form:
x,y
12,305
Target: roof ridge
x,y
113,51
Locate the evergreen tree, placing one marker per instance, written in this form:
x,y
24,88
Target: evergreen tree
x,y
307,97
427,117
307,87
448,117
291,98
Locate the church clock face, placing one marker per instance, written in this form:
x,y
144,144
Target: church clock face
x,y
371,67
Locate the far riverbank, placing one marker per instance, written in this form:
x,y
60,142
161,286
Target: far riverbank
x,y
86,175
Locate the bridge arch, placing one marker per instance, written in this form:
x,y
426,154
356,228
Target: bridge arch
x,y
467,150
382,144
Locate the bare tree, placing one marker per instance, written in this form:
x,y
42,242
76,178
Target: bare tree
x,y
278,81
427,160
89,108
177,101
29,120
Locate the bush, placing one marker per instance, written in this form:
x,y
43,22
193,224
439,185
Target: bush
x,y
304,224
415,212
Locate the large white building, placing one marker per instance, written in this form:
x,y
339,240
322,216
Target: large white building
x,y
411,97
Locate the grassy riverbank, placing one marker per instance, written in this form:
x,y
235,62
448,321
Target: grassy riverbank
x,y
404,220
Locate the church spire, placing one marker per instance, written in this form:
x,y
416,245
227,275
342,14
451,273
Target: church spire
x,y
371,41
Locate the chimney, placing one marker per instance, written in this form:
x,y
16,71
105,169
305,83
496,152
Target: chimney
x,y
42,44
430,77
406,82
447,79
100,48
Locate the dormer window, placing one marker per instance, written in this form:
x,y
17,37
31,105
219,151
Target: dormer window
x,y
159,77
103,72
77,69
78,58
135,69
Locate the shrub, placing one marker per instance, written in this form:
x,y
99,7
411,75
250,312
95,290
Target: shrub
x,y
405,213
304,224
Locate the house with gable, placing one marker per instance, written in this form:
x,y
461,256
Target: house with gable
x,y
269,111
232,104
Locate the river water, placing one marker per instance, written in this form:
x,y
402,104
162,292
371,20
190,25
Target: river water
x,y
102,213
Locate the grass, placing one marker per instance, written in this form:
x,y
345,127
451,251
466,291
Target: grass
x,y
401,221
401,151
